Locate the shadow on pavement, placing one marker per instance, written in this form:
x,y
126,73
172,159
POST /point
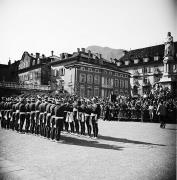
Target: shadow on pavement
x,y
82,142
174,129
109,138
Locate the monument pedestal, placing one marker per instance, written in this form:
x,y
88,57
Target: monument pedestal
x,y
168,80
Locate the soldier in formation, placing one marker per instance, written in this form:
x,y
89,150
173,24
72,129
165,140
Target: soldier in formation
x,y
47,117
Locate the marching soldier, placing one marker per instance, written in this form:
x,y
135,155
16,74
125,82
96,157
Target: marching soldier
x,y
70,117
41,122
32,115
5,114
59,116
2,104
76,116
9,113
37,112
52,120
27,106
48,116
22,110
13,115
88,111
17,116
82,110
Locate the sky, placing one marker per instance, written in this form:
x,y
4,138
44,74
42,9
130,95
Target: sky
x,y
65,25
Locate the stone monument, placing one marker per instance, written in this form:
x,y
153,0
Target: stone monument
x,y
168,80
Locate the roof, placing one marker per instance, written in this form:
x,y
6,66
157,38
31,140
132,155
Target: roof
x,y
141,53
84,57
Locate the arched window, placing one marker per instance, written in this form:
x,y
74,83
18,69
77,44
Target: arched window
x,y
89,78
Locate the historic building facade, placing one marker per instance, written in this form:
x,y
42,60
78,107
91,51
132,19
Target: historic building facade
x,y
9,72
34,70
146,66
87,75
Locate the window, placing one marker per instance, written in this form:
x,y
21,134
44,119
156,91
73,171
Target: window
x,y
116,83
55,72
97,79
174,68
112,82
97,70
89,78
89,91
33,62
61,71
82,78
83,68
96,91
145,80
30,76
116,74
82,91
126,84
156,58
145,70
105,72
90,69
123,83
110,73
120,83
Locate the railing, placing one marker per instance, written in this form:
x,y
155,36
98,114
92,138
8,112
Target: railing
x,y
15,85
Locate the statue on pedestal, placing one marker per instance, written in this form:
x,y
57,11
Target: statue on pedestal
x,y
169,45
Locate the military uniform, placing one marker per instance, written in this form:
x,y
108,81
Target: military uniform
x,y
37,113
22,110
52,121
13,116
88,111
27,106
59,116
32,115
17,116
48,116
2,104
82,121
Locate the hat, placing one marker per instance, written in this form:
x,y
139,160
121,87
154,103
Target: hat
x,y
28,100
32,100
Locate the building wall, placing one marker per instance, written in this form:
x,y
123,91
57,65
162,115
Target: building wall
x,y
31,77
63,78
144,77
101,82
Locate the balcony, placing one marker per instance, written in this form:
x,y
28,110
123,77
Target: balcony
x,y
15,85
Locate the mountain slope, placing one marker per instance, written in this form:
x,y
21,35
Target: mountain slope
x,y
106,52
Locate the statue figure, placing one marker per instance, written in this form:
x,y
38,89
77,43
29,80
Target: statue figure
x,y
169,46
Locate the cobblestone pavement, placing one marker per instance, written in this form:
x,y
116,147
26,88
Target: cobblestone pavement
x,y
124,150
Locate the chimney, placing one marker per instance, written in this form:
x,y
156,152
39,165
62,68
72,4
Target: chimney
x,y
62,56
125,52
52,53
78,50
9,63
100,56
37,55
89,53
83,50
66,55
43,56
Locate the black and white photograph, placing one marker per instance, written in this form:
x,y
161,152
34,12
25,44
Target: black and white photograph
x,y
88,89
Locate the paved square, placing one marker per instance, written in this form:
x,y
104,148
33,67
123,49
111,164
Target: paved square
x,y
124,150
